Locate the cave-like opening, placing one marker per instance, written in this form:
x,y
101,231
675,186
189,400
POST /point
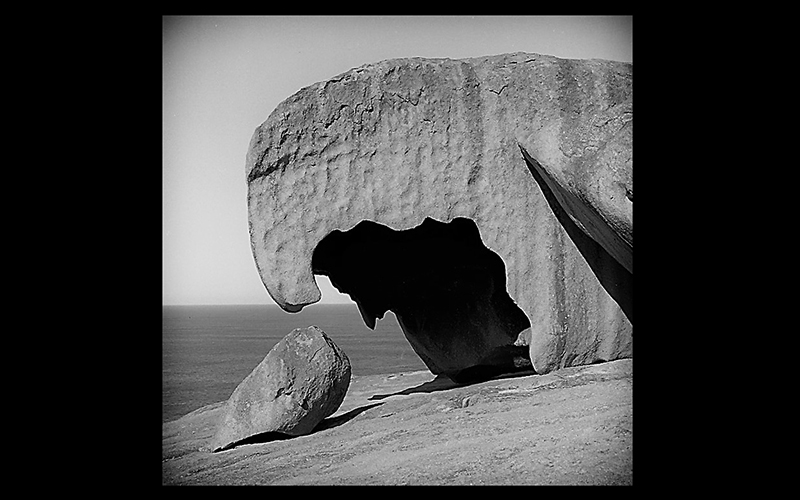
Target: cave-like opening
x,y
447,290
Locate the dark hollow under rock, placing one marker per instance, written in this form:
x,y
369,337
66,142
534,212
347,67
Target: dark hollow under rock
x,y
446,288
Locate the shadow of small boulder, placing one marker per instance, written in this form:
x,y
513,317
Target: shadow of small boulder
x,y
328,423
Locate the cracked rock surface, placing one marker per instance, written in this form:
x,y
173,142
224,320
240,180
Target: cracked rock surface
x,y
535,150
302,380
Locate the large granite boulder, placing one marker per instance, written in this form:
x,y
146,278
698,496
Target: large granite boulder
x,y
302,380
533,151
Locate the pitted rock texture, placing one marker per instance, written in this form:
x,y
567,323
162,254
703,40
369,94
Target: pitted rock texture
x,y
405,139
302,380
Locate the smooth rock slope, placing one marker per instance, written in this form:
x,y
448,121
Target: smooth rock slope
x,y
571,426
534,150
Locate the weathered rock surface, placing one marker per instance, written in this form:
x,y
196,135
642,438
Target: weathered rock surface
x,y
535,150
302,380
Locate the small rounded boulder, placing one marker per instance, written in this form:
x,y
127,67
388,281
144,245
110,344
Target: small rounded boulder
x,y
300,382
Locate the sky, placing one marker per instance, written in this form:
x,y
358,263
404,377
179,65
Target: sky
x,y
223,76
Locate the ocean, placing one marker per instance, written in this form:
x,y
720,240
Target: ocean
x,y
208,350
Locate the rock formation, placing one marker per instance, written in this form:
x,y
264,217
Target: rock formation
x,y
529,154
302,380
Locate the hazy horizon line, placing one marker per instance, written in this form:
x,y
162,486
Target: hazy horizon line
x,y
261,304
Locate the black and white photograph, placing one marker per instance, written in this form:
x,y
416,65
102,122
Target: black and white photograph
x,y
397,250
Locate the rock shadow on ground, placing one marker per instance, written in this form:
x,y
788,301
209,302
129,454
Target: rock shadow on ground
x,y
328,423
443,383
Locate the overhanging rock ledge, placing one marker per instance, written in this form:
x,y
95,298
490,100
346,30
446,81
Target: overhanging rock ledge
x,y
535,150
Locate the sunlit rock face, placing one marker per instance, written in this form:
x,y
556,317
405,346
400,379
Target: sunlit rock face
x,y
532,151
302,380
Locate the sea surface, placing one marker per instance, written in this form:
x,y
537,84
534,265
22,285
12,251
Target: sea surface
x,y
208,350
